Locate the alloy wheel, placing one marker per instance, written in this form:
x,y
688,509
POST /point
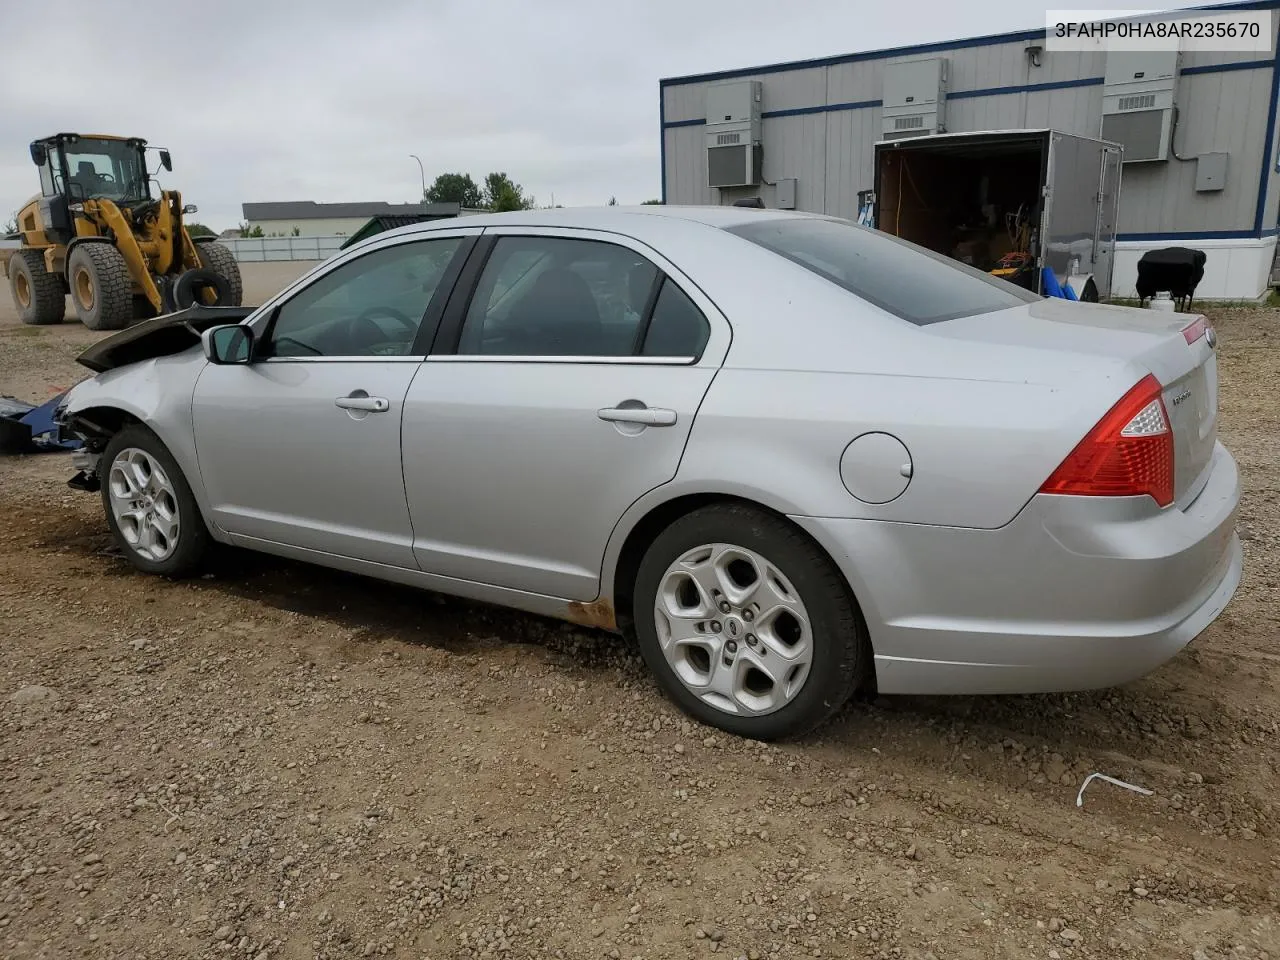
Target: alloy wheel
x,y
733,629
144,504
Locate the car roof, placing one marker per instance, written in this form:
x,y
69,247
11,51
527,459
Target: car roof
x,y
633,221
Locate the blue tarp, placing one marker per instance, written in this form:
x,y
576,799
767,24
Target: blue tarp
x,y
1052,288
38,423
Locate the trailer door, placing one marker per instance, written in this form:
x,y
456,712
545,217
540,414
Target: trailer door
x,y
1108,215
1069,225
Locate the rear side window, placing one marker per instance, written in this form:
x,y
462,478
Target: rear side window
x,y
677,327
908,281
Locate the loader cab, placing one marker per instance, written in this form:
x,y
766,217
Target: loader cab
x,y
78,168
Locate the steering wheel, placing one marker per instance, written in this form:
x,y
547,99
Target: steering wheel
x,y
281,341
107,177
359,327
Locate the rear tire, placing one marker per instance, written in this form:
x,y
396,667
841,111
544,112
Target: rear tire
x,y
799,647
36,293
150,509
101,287
214,256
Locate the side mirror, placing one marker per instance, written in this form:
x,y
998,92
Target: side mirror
x,y
39,155
165,160
227,344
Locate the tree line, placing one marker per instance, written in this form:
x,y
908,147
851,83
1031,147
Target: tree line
x,y
499,193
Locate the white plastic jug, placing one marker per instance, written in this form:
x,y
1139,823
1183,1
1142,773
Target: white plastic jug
x,y
1161,301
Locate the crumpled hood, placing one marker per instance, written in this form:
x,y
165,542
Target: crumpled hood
x,y
158,337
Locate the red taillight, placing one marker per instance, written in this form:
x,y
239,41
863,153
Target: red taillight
x,y
1195,330
1129,452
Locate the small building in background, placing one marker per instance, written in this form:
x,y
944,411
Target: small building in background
x,y
311,219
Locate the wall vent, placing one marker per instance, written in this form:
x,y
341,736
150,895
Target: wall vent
x,y
1138,88
914,97
1142,102
733,133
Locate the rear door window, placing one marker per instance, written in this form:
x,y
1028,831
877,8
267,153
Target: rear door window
x,y
913,283
554,296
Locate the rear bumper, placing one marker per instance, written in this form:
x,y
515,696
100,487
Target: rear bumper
x,y
1075,593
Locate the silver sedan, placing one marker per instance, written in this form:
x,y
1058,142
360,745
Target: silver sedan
x,y
790,456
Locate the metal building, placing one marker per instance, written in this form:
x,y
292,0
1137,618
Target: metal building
x,y
1201,162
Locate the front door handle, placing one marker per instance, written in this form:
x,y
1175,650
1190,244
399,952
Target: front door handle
x,y
646,416
367,404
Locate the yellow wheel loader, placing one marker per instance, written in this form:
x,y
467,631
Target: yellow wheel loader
x,y
96,232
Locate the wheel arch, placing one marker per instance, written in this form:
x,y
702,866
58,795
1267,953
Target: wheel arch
x,y
156,393
79,242
102,421
633,536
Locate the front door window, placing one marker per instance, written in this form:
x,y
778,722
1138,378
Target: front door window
x,y
372,306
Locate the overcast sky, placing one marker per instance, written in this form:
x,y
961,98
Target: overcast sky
x,y
325,99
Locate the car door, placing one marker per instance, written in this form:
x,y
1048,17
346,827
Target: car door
x,y
301,446
561,390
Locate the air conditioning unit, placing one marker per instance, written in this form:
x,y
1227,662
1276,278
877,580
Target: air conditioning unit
x,y
1138,102
914,98
734,153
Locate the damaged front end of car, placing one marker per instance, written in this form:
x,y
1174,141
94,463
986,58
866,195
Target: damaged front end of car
x,y
96,408
93,441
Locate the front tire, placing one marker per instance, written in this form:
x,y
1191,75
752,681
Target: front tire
x,y
101,287
216,257
747,624
37,293
149,505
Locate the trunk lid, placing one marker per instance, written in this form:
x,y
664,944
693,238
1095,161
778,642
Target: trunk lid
x,y
1077,332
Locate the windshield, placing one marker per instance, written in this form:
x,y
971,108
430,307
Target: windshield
x,y
105,169
908,281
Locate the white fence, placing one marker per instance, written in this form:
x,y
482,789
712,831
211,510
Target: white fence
x,y
258,249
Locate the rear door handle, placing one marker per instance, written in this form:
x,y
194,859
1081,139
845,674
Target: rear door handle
x,y
368,404
647,416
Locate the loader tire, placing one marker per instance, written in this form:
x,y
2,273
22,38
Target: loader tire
x,y
189,289
101,287
220,260
36,293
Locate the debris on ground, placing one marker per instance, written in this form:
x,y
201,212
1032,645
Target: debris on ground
x,y
1119,783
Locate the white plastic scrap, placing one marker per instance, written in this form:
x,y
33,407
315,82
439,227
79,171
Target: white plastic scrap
x,y
1119,783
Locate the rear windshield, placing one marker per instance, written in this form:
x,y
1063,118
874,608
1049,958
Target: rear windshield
x,y
907,280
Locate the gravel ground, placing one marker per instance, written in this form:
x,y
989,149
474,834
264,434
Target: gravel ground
x,y
277,761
